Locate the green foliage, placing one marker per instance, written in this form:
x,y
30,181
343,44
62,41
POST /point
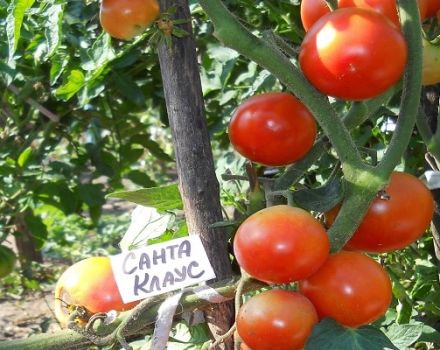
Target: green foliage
x,y
162,198
328,335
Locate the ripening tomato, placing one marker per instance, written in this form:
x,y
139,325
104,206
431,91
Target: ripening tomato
x,y
395,219
351,288
7,261
281,244
124,19
431,63
312,10
433,7
88,283
274,128
346,54
276,320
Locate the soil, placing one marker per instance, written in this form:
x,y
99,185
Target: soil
x,y
29,315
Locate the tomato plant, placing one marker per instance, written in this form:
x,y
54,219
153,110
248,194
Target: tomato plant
x,y
276,319
7,261
272,129
281,244
350,287
396,218
346,54
124,19
90,284
312,10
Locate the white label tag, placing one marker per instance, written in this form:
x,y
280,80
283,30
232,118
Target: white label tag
x,y
161,268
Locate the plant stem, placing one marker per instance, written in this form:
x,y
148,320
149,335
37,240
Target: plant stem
x,y
230,31
68,340
411,87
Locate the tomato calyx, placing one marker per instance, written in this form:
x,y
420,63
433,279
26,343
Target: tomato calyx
x,y
166,27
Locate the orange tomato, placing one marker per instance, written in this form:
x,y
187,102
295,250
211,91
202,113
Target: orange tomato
x,y
124,19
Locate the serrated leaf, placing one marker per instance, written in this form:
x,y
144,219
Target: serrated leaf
x,y
24,157
320,199
403,335
162,198
329,335
74,83
14,21
146,223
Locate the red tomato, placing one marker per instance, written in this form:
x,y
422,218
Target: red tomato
x,y
276,319
281,244
124,19
243,346
312,10
346,54
433,7
88,283
272,129
394,220
351,288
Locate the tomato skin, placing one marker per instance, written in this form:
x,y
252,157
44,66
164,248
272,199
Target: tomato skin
x,y
273,129
7,261
345,54
88,283
351,288
124,19
281,244
312,10
276,320
433,7
395,221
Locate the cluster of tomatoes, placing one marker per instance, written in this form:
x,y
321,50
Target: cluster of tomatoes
x,y
283,244
345,54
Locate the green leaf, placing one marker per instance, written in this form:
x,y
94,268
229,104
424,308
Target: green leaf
x,y
92,194
74,83
320,199
403,335
100,54
24,157
53,28
140,178
162,198
222,224
14,21
152,146
58,64
129,89
430,335
329,335
37,227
